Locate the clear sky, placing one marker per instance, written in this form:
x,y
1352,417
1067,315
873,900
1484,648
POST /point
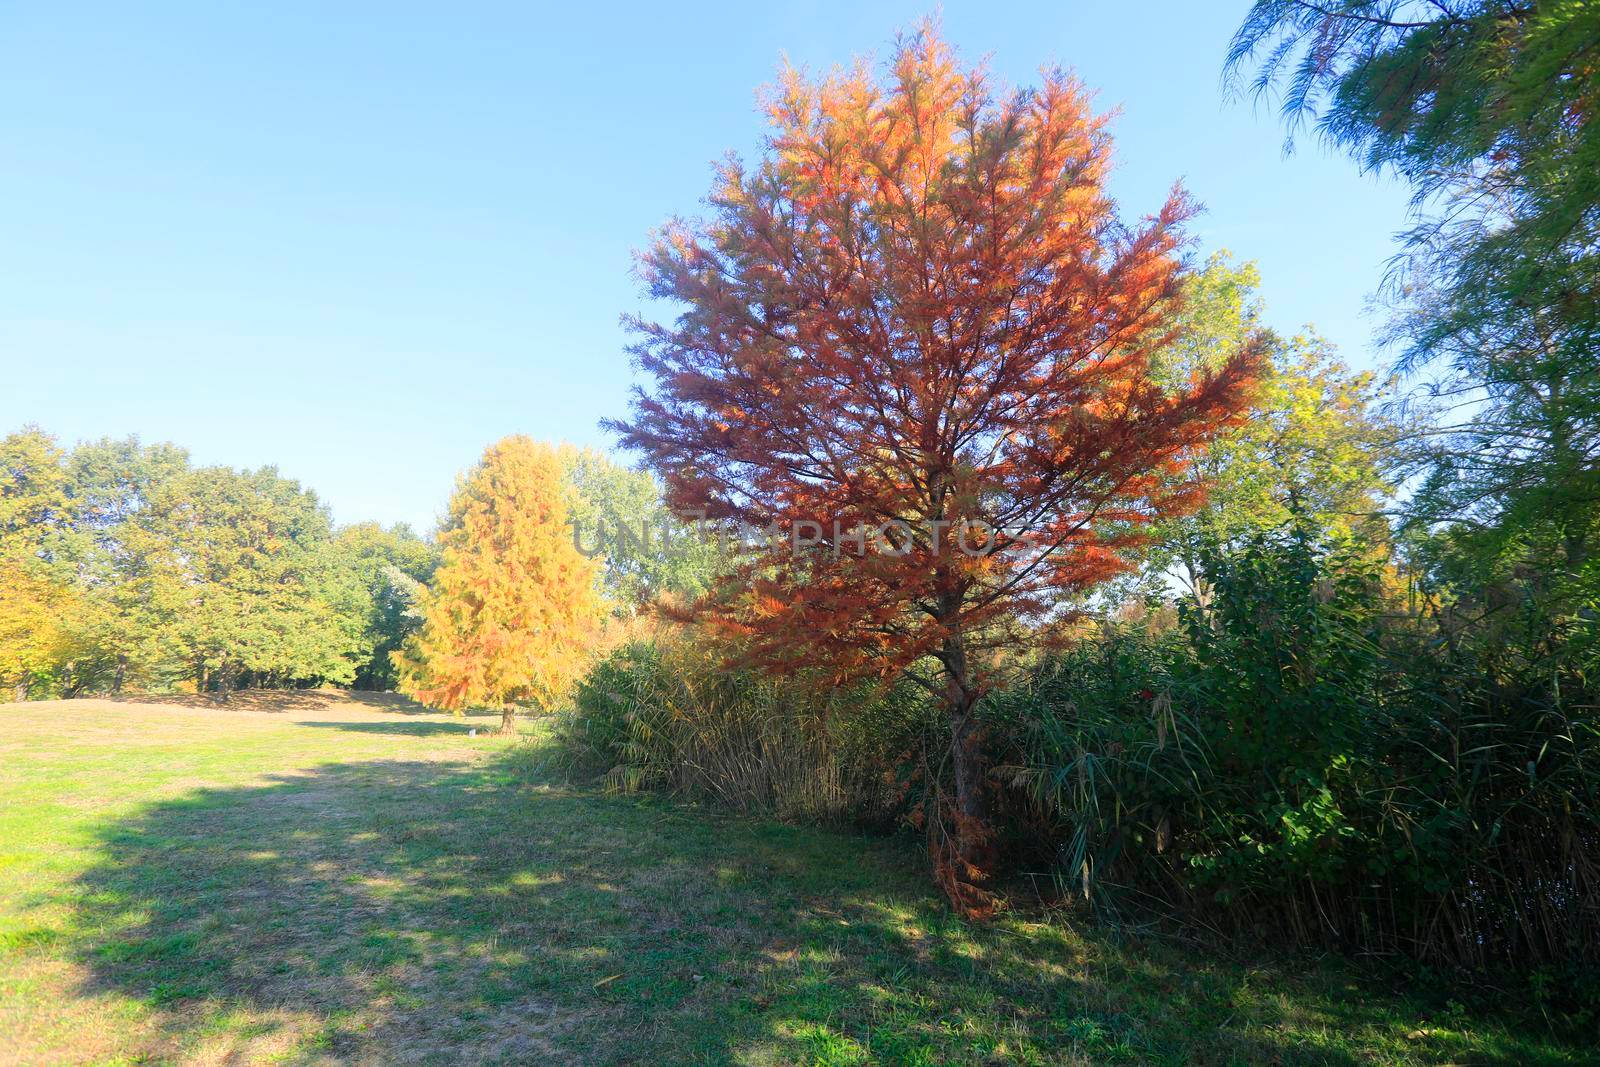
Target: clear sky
x,y
361,241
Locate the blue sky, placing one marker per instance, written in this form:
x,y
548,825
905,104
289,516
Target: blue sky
x,y
361,241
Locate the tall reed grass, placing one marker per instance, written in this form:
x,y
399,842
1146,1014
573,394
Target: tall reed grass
x,y
1302,763
665,714
1305,761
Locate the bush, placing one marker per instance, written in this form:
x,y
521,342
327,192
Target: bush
x,y
1304,761
664,714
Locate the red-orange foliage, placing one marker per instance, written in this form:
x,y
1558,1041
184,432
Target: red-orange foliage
x,y
921,307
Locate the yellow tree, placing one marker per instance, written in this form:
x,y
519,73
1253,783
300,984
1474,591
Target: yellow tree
x,y
35,610
514,610
36,595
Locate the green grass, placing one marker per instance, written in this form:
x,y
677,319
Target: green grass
x,y
339,882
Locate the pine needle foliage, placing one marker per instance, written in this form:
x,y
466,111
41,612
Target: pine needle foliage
x,y
514,610
921,311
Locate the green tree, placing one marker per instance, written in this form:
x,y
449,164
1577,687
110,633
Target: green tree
x,y
110,482
393,566
34,504
1318,450
1491,107
617,513
242,584
1491,110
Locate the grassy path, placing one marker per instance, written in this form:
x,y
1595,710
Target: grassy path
x,y
308,878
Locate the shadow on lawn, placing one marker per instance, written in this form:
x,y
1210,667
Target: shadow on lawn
x,y
284,700
444,912
415,729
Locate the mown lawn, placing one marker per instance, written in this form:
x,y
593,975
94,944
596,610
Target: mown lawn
x,y
313,878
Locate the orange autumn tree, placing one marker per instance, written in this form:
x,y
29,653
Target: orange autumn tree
x,y
514,609
919,315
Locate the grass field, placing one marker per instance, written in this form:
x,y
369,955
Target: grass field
x,y
312,877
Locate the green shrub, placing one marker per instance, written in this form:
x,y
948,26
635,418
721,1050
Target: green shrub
x,y
1304,761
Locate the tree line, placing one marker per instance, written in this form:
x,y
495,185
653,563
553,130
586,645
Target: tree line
x,y
125,567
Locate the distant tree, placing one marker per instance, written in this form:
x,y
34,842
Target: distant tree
x,y
35,607
36,594
34,504
240,584
514,608
110,482
618,515
1317,449
393,566
920,314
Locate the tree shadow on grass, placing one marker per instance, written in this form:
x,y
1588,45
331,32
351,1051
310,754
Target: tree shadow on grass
x,y
362,911
401,726
456,913
284,700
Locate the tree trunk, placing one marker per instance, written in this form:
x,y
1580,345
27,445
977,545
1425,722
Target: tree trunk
x,y
121,675
1576,543
1202,592
960,837
508,720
